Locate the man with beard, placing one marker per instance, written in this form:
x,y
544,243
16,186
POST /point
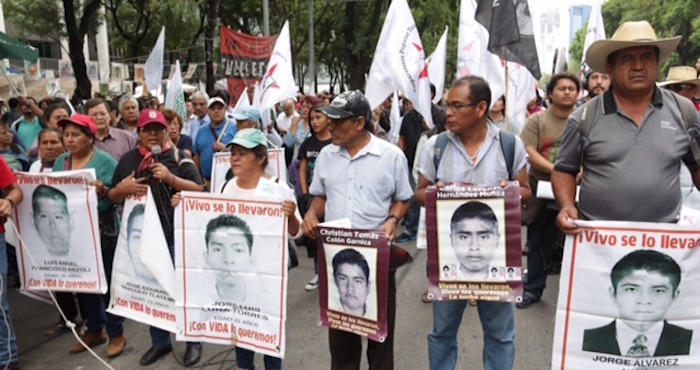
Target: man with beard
x,y
595,83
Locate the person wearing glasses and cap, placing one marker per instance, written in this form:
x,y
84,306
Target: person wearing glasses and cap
x,y
629,140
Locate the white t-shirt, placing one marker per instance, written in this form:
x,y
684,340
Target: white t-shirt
x,y
284,122
266,187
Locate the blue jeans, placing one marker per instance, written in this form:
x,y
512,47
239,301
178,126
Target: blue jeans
x,y
499,334
413,215
541,237
245,359
7,332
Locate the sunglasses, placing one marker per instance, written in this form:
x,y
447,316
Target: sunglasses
x,y
680,87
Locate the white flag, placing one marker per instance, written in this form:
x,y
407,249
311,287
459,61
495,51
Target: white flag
x,y
596,29
436,66
473,58
256,96
278,82
399,62
175,97
154,64
156,256
243,101
394,119
521,89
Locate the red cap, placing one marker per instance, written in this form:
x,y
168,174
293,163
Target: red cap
x,y
80,120
149,116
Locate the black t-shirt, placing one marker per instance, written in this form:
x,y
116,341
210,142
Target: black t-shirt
x,y
309,150
185,143
162,192
411,129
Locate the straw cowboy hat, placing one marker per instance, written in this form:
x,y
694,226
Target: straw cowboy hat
x,y
681,75
629,34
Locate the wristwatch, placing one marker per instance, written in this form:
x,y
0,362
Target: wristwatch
x,y
394,217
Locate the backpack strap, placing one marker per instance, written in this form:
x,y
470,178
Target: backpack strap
x,y
690,116
507,140
439,151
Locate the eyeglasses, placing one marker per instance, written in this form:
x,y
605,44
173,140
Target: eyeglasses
x,y
680,87
459,106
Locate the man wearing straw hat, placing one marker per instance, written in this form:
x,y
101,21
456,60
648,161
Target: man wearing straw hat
x,y
629,140
683,81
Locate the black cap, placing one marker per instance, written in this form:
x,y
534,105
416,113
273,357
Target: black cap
x,y
349,104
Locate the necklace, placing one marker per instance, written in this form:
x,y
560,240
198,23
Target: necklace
x,y
473,158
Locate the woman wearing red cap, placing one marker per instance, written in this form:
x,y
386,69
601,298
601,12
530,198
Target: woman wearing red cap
x,y
79,135
157,164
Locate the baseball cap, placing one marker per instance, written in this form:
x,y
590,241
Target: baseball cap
x,y
149,116
247,114
215,100
79,120
248,138
348,105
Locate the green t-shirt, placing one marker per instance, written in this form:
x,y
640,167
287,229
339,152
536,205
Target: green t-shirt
x,y
27,132
104,165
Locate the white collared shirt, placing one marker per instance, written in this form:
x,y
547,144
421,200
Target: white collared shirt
x,y
626,336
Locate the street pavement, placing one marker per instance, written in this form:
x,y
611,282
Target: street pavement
x,y
307,343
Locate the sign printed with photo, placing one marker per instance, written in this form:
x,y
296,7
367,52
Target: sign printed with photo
x,y
58,222
221,164
93,69
474,242
137,293
643,314
353,281
65,69
231,271
32,71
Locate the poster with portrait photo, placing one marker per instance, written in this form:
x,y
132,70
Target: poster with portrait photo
x,y
60,247
628,298
139,72
221,165
93,69
65,69
32,70
231,271
474,242
137,292
353,281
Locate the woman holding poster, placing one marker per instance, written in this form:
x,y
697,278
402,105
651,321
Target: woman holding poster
x,y
157,164
79,135
248,162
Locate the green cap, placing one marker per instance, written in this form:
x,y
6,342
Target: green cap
x,y
248,138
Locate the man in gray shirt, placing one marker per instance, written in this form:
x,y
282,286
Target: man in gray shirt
x,y
634,137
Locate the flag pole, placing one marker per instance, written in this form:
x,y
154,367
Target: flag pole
x,y
506,121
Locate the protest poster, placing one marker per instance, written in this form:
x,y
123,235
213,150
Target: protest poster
x,y
65,69
627,298
32,70
353,281
221,165
92,70
244,59
137,292
474,242
60,245
231,271
139,72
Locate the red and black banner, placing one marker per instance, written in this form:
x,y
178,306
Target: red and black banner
x,y
244,59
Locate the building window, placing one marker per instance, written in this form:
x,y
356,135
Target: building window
x,y
47,49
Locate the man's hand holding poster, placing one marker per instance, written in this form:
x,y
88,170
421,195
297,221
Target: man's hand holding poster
x,y
474,242
58,225
353,281
627,299
231,271
143,267
221,165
